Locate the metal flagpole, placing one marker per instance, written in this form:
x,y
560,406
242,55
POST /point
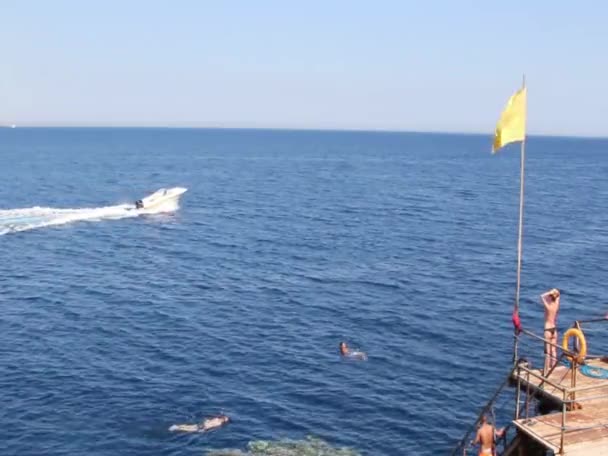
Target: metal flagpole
x,y
521,223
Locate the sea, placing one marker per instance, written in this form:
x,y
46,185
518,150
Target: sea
x,y
115,325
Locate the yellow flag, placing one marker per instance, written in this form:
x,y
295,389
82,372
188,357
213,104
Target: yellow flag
x,y
511,126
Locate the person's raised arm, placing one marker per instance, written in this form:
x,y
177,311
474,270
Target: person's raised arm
x,y
545,298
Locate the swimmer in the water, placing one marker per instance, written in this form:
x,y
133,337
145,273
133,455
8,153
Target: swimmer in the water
x,y
348,353
343,349
206,425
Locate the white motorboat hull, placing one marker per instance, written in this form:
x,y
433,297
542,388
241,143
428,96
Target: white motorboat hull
x,y
163,200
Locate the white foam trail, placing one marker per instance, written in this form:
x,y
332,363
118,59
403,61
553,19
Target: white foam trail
x,y
25,219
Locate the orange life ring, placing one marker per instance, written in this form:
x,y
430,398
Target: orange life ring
x,y
580,358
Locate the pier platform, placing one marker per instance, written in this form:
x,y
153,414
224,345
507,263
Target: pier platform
x,y
583,415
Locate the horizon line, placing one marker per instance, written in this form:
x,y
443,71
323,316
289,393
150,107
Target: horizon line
x,y
76,125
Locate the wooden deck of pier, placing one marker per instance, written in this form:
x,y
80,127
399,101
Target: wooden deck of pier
x,y
586,429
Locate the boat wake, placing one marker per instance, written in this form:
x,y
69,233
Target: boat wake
x,y
25,219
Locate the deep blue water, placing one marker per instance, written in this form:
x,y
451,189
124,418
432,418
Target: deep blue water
x,y
286,243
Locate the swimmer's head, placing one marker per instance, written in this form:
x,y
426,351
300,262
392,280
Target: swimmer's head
x,y
343,348
224,418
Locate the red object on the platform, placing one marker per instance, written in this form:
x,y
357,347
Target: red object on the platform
x,y
516,321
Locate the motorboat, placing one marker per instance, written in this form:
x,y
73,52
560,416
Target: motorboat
x,y
165,199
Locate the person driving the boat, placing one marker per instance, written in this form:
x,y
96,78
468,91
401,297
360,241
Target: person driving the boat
x,y
206,425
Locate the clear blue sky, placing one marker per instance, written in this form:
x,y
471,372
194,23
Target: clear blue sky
x,y
402,65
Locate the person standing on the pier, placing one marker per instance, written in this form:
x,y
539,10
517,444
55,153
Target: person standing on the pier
x,y
550,300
